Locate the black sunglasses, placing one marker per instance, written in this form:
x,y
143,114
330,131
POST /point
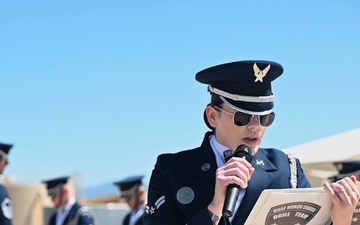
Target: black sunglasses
x,y
244,119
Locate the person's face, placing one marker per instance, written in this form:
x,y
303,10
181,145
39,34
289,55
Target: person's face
x,y
229,134
58,199
3,164
133,201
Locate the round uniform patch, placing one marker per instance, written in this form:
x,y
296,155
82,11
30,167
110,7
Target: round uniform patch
x,y
185,195
6,208
205,167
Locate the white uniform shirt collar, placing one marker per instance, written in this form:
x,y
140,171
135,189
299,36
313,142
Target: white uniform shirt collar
x,y
218,150
135,215
64,211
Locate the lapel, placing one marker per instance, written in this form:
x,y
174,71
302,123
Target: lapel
x,y
202,171
71,215
195,171
260,180
140,220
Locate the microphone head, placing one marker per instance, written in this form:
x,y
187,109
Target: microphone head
x,y
243,151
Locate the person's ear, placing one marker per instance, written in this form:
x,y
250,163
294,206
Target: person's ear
x,y
141,189
211,114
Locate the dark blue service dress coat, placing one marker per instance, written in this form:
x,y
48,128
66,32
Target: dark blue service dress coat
x,y
140,221
83,218
182,185
6,207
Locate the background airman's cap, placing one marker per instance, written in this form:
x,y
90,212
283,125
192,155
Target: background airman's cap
x,y
129,185
54,185
346,168
343,175
5,149
243,85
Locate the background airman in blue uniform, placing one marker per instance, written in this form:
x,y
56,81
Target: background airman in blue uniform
x,y
6,213
68,210
134,193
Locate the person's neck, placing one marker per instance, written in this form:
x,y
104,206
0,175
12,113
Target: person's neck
x,y
140,206
69,201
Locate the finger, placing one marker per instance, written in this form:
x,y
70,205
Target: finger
x,y
353,192
239,169
346,190
335,198
329,189
349,185
233,173
241,160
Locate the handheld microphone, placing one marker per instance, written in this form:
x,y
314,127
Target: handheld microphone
x,y
233,190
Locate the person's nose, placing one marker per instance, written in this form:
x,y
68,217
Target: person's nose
x,y
254,123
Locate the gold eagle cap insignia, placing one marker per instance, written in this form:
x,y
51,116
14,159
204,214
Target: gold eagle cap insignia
x,y
260,74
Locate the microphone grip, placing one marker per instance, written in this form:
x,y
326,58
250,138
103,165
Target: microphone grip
x,y
232,194
233,190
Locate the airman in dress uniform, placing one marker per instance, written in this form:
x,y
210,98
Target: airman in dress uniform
x,y
190,187
68,210
5,200
134,193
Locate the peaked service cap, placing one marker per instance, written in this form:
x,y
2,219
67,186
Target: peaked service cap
x,y
54,185
129,185
243,85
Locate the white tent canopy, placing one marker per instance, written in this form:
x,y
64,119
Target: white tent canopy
x,y
317,157
344,146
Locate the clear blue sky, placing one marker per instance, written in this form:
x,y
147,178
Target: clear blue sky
x,y
100,88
